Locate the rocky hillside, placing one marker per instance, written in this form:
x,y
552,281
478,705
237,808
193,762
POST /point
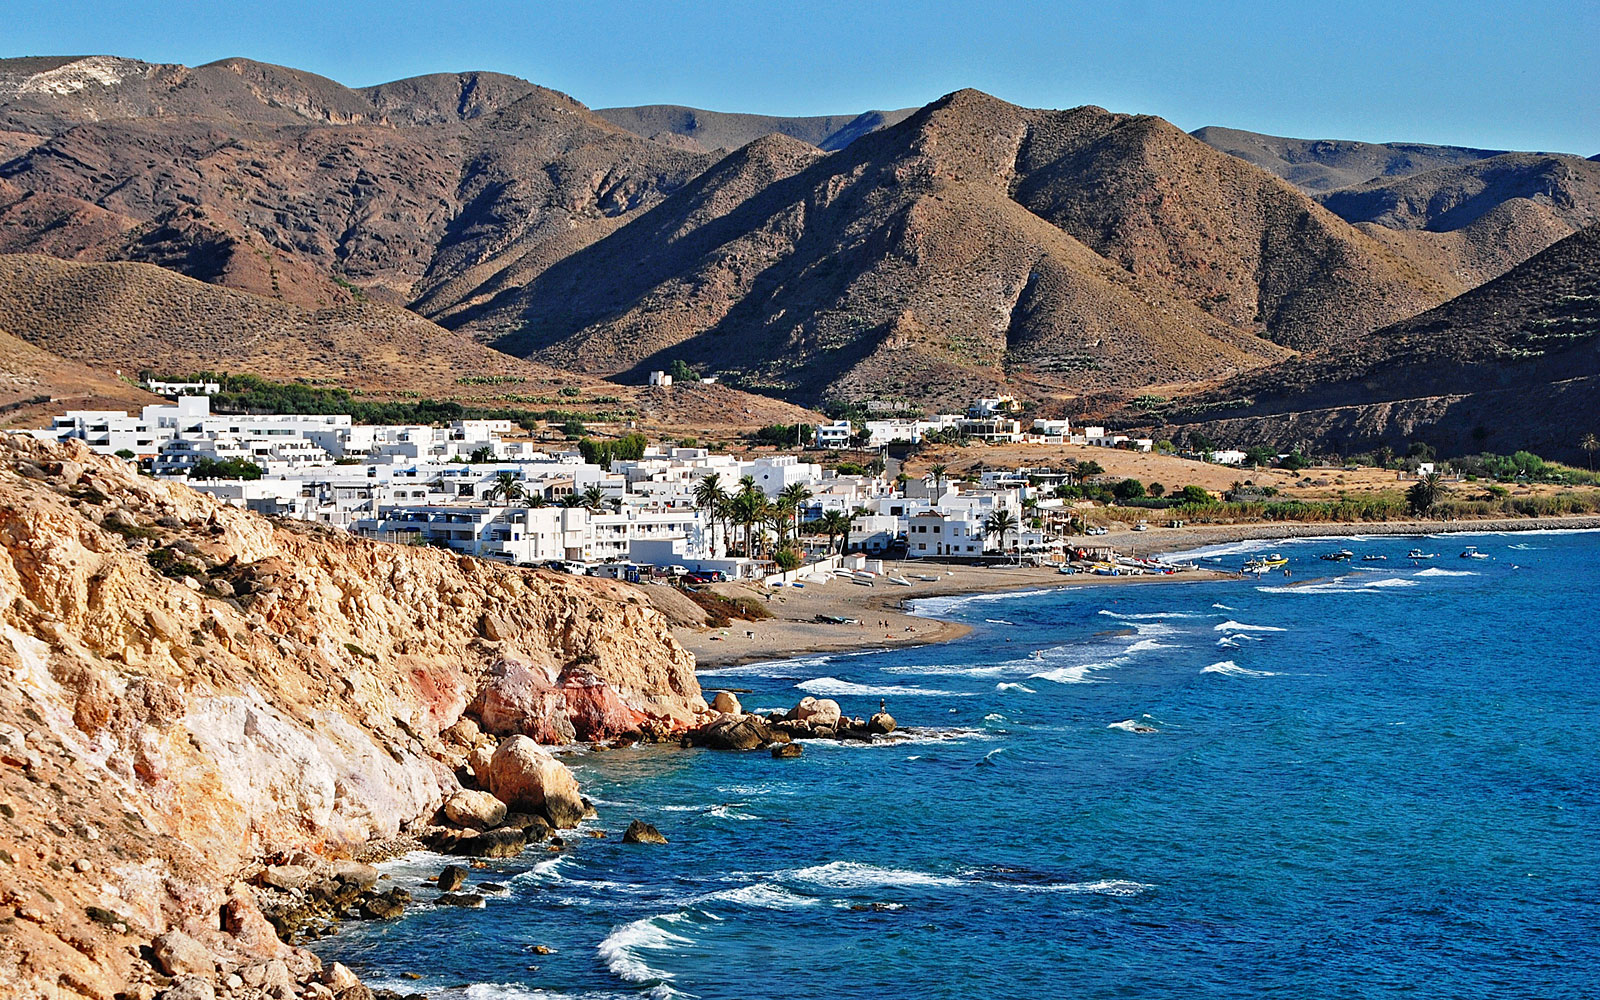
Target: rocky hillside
x,y
189,689
35,385
711,131
1513,364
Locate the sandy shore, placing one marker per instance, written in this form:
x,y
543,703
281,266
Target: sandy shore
x,y
794,631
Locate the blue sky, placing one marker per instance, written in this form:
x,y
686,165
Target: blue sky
x,y
1499,75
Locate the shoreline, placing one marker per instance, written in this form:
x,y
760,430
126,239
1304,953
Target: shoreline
x,y
793,631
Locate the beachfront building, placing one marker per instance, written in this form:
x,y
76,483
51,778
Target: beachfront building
x,y
938,533
835,435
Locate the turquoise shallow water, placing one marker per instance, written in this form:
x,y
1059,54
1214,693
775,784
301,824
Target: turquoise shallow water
x,y
1366,780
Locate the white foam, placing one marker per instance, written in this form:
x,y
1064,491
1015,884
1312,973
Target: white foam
x,y
1436,571
1146,645
1103,887
728,811
994,717
1228,668
1233,626
1130,725
934,607
1075,674
620,949
950,671
854,875
1223,607
1152,615
999,621
762,896
1013,686
833,687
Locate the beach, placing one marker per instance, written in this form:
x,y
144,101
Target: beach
x,y
794,631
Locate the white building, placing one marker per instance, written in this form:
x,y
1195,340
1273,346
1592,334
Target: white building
x,y
835,435
660,378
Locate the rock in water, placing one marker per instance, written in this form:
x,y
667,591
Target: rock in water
x,y
525,777
468,899
821,713
640,832
881,724
451,878
729,732
726,703
786,750
478,810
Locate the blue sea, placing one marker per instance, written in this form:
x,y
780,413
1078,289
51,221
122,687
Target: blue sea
x,y
1361,780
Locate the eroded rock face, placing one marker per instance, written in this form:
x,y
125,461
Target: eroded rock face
x,y
159,738
820,713
478,810
525,777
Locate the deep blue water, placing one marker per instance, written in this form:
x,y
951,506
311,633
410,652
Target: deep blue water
x,y
1367,780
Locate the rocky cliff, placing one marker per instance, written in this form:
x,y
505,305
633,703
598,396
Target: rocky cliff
x,y
186,689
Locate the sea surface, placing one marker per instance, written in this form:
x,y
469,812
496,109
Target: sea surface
x,y
1368,779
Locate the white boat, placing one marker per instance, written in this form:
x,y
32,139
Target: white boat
x,y
1471,552
1419,554
902,581
1265,564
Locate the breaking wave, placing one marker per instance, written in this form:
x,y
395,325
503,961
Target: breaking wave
x,y
833,687
1228,668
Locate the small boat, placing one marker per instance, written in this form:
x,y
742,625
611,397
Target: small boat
x,y
925,578
1343,555
1419,554
1471,552
902,581
1265,564
1369,557
862,583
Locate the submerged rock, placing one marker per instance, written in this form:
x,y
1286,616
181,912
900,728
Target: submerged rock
x,y
467,899
786,750
451,878
729,732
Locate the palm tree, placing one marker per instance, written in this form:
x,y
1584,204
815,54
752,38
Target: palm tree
x,y
795,496
937,472
535,499
709,496
1425,494
1590,444
507,486
1000,522
594,498
748,508
833,524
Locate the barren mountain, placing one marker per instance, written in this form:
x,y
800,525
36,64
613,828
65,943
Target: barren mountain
x,y
1512,364
1477,220
1320,165
36,385
719,130
969,245
974,242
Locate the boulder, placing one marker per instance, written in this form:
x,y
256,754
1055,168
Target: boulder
x,y
177,954
362,876
821,713
786,750
478,763
525,777
338,978
729,732
520,699
467,899
726,703
385,905
478,810
640,832
594,708
191,988
535,828
881,724
286,877
464,732
451,878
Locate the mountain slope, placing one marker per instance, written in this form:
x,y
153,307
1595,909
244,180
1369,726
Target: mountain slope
x,y
36,385
714,130
1512,364
1319,165
972,243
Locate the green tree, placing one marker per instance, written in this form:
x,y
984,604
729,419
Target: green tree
x,y
482,454
793,498
936,473
1157,490
1194,495
1128,489
833,524
507,486
1425,493
999,524
710,497
1260,455
594,498
1590,444
233,468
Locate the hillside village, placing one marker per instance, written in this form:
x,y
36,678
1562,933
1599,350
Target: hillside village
x,y
623,508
